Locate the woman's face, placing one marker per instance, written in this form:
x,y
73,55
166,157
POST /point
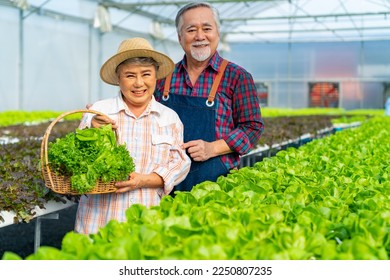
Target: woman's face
x,y
137,84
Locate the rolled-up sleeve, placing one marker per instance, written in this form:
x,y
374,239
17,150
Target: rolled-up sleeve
x,y
246,114
175,170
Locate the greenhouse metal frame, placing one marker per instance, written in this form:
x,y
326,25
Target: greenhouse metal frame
x,y
54,48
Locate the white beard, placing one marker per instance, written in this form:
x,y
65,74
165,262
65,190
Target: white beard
x,y
200,54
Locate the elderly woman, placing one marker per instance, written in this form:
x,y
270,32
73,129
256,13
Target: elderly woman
x,y
153,134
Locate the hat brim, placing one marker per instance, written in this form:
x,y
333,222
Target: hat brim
x,y
108,74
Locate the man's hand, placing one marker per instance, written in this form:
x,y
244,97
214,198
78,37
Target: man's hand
x,y
200,150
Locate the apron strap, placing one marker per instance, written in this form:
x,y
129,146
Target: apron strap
x,y
213,91
167,86
217,80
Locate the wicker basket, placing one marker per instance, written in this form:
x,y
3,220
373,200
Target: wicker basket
x,y
61,184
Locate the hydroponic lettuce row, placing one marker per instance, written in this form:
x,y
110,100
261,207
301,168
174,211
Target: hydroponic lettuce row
x,y
20,174
21,177
327,200
89,154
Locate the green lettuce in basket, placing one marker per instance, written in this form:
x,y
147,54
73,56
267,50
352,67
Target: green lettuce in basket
x,y
89,154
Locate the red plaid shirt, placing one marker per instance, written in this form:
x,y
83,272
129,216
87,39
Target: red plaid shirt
x,y
238,120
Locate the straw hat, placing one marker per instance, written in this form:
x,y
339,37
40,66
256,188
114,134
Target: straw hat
x,y
135,47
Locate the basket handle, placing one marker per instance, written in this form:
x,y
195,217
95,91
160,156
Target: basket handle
x,y
44,144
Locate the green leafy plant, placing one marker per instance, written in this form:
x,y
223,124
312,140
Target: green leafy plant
x,y
328,199
314,202
31,117
89,154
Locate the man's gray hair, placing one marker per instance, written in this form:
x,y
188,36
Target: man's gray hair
x,y
194,5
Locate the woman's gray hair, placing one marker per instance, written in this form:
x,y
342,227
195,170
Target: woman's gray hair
x,y
194,5
139,61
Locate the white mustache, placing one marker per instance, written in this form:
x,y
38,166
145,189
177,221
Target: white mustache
x,y
199,44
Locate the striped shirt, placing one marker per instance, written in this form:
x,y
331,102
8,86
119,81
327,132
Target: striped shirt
x,y
238,120
153,140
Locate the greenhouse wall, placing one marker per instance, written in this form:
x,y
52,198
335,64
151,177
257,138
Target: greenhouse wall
x,y
362,70
50,63
54,64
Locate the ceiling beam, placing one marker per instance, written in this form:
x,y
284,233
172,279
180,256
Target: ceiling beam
x,y
287,31
121,5
231,23
133,8
385,14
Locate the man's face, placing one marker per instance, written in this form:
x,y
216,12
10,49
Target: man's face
x,y
198,33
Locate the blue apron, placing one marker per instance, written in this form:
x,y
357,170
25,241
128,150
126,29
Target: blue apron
x,y
198,115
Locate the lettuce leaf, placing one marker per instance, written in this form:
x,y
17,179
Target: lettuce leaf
x,y
90,154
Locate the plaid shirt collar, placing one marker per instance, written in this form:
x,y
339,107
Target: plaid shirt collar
x,y
120,105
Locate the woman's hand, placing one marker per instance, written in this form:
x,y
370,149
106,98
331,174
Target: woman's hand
x,y
138,180
98,121
134,182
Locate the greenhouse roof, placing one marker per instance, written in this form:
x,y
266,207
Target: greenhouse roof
x,y
242,21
